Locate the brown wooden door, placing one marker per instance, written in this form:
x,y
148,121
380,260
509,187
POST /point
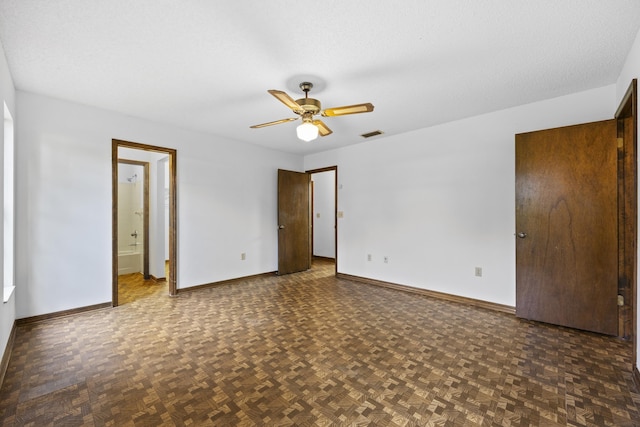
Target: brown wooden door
x,y
294,237
566,226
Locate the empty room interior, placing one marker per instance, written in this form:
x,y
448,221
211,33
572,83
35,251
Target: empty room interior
x,y
334,213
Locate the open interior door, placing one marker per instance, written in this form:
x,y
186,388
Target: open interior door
x,y
294,231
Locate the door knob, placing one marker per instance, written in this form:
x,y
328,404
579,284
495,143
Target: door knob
x,y
522,235
280,227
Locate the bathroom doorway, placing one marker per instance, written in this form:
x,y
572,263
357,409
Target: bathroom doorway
x,y
133,217
147,221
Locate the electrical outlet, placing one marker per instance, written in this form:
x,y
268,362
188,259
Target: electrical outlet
x,y
369,257
478,271
243,256
386,260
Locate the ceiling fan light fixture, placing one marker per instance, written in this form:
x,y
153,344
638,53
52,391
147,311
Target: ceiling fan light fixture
x,y
307,131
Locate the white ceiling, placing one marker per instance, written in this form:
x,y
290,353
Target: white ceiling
x,y
207,65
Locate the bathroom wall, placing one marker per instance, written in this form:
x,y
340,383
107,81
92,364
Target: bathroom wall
x,y
130,208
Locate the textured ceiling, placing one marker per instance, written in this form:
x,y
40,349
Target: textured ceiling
x,y
207,65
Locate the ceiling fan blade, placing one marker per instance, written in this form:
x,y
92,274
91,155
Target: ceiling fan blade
x,y
323,130
348,109
286,100
277,122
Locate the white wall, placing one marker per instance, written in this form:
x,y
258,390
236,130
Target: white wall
x,y
324,201
630,71
7,96
226,203
440,201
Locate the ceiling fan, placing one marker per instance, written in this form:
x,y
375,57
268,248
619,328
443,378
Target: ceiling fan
x,y
307,108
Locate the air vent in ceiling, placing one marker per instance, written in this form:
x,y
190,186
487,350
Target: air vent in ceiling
x,y
371,134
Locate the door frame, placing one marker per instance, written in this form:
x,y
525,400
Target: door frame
x,y
173,214
628,217
145,210
335,210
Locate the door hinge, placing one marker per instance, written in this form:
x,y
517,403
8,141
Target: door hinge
x,y
620,300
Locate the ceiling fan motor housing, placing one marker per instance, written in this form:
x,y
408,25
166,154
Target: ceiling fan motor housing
x,y
310,105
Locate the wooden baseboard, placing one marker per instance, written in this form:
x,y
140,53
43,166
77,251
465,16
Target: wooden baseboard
x,y
4,364
225,282
325,258
40,318
433,294
636,375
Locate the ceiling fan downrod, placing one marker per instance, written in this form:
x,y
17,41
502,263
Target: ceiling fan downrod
x,y
306,87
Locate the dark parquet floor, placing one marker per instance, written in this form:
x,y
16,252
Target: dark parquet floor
x,y
311,350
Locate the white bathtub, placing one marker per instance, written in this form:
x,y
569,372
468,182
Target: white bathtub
x,y
129,262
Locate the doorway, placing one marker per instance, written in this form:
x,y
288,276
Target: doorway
x,y
324,214
295,211
159,247
618,315
133,217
